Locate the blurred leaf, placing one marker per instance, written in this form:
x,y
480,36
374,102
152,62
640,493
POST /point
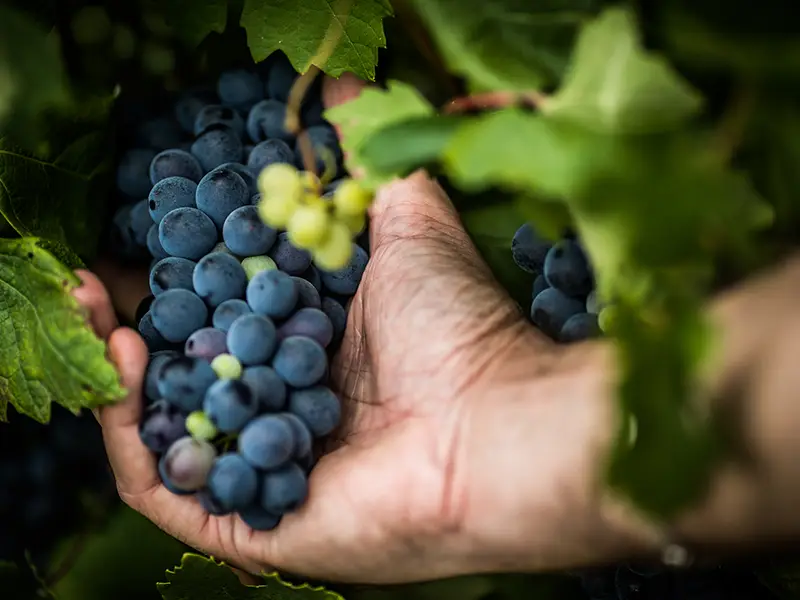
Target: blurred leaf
x,y
615,86
373,110
48,351
201,578
505,44
336,35
193,20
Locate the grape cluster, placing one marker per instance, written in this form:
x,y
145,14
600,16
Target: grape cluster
x,y
47,473
564,301
241,317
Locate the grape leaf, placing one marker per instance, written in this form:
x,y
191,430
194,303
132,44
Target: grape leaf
x,y
335,35
193,20
201,578
615,86
58,192
48,352
32,74
373,110
507,44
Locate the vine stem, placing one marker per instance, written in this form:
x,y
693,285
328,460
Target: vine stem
x,y
733,124
532,100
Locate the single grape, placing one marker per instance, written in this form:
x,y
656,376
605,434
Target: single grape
x,y
175,163
221,192
183,381
356,224
273,294
246,234
168,194
300,361
311,274
529,249
345,281
219,277
161,426
188,462
539,285
200,426
308,296
123,238
593,304
151,336
227,312
303,438
269,389
167,482
337,249
280,77
350,198
172,273
337,316
269,153
284,490
582,326
177,314
308,226
233,482
187,233
230,404
191,103
567,268
267,120
140,222
258,519
154,245
267,442
240,89
252,339
206,343
218,145
133,172
227,366
317,407
280,181
253,265
308,322
276,211
551,309
210,504
155,364
289,258
214,115
246,174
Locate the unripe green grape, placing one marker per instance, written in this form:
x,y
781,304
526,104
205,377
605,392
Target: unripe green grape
x,y
281,180
351,199
276,211
227,366
355,223
200,426
308,226
253,265
335,251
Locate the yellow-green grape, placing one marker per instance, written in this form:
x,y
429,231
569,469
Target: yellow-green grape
x,y
200,426
276,211
253,265
351,199
280,179
308,226
335,251
355,223
605,318
311,183
227,366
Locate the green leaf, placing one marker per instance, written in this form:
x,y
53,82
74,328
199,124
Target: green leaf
x,y
32,74
193,20
506,44
60,191
335,35
615,86
201,578
372,111
400,148
48,352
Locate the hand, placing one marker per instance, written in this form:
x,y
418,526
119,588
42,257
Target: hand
x,y
437,462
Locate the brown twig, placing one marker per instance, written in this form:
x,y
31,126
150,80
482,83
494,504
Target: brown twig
x,y
495,100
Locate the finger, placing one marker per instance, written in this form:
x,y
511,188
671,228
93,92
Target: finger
x,y
127,286
338,91
93,296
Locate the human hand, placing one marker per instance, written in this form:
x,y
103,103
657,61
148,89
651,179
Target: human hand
x,y
433,465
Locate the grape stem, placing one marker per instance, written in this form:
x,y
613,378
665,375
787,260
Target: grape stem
x,y
531,100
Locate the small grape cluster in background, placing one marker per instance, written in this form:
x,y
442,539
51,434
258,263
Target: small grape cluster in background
x,y
564,301
51,477
242,316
